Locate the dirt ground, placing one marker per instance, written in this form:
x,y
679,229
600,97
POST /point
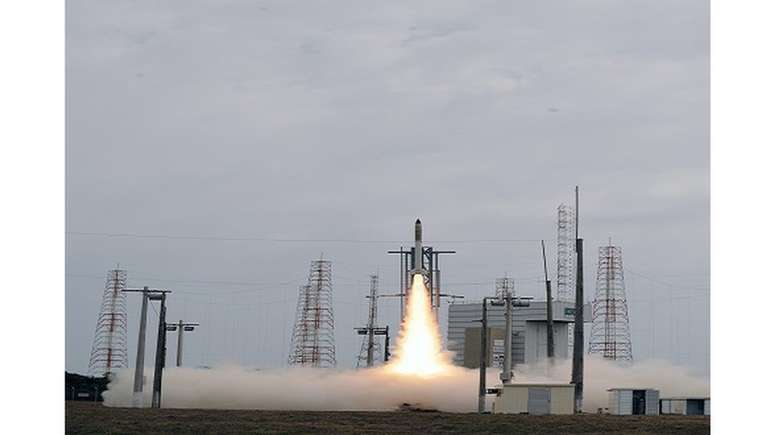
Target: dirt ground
x,y
93,418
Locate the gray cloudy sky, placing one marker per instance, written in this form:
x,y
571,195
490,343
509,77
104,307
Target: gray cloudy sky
x,y
349,119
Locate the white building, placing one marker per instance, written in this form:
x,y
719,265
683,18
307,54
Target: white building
x,y
535,399
633,401
685,405
529,334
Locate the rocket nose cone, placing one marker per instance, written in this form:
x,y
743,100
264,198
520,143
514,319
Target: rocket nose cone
x,y
418,222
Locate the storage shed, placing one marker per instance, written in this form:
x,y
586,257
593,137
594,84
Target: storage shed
x,y
535,399
633,401
685,405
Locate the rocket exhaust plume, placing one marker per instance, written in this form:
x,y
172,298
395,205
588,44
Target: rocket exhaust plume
x,y
419,349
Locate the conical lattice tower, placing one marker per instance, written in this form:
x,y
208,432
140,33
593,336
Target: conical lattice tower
x,y
312,343
108,352
610,336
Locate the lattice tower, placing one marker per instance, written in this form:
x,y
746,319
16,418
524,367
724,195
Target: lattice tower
x,y
504,287
610,334
108,352
370,346
565,250
312,343
565,268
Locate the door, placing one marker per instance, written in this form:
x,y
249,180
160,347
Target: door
x,y
638,402
539,401
694,407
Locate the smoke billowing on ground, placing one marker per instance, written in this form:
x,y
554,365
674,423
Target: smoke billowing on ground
x,y
454,390
421,374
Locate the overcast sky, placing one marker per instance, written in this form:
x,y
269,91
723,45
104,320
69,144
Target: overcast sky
x,y
347,120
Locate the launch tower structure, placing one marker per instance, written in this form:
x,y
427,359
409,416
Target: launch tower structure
x,y
312,343
108,351
610,335
425,260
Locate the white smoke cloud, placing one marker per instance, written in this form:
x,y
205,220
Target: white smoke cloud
x,y
373,389
303,389
601,374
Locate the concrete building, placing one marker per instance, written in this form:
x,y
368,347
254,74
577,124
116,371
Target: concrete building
x,y
633,401
685,405
535,399
528,337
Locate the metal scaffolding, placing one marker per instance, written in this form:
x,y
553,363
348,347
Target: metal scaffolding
x,y
610,334
370,346
431,261
108,352
312,343
566,261
504,287
565,251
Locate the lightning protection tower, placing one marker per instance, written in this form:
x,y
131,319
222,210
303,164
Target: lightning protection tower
x,y
312,343
610,335
108,352
370,345
565,250
504,287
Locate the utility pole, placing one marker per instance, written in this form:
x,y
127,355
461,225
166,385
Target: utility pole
x,y
482,359
181,327
578,339
386,343
139,366
161,349
150,295
506,375
549,310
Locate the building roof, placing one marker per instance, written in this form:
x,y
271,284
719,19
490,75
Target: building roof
x,y
539,384
686,398
631,388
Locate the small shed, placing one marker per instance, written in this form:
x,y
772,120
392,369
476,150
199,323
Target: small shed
x,y
535,399
633,401
685,405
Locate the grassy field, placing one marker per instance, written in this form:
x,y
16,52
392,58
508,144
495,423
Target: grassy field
x,y
92,418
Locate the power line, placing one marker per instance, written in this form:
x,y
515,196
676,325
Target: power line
x,y
664,283
281,240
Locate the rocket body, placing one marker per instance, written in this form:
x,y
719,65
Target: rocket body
x,y
418,250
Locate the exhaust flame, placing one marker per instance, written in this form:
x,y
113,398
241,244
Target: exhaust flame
x,y
419,349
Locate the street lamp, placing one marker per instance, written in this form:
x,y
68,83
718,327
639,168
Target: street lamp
x,y
181,327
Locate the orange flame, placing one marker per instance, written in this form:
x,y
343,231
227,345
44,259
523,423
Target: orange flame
x,y
419,349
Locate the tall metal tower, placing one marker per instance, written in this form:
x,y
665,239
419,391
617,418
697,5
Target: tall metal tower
x,y
108,352
565,250
504,287
370,346
312,343
610,335
566,262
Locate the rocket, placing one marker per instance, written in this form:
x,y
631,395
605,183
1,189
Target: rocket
x,y
418,250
